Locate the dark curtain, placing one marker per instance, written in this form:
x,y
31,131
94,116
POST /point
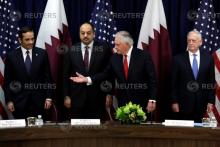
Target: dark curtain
x,y
179,14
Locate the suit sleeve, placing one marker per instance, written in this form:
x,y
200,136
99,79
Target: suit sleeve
x,y
174,81
47,75
211,78
8,78
99,77
66,74
149,68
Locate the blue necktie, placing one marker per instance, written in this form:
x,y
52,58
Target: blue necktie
x,y
195,66
28,62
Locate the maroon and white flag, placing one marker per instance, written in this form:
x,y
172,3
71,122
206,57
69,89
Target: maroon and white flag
x,y
53,34
154,36
54,37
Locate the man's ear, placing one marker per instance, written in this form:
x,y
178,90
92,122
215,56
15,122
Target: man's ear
x,y
94,35
19,39
201,42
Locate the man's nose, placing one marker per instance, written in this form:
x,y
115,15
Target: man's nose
x,y
31,41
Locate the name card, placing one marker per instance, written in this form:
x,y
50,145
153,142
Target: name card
x,y
180,123
12,123
85,122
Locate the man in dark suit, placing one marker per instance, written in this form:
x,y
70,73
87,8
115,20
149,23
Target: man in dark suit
x,y
193,81
87,58
134,72
27,78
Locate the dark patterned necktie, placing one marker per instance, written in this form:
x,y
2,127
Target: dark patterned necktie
x,y
86,58
28,62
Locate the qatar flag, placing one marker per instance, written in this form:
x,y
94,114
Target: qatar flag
x,y
54,35
154,38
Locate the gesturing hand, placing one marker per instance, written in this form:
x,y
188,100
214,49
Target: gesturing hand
x,y
79,79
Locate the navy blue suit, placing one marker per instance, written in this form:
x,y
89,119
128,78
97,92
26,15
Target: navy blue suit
x,y
192,94
28,92
141,83
88,101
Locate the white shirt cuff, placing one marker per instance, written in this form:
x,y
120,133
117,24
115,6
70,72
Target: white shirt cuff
x,y
152,101
89,81
48,99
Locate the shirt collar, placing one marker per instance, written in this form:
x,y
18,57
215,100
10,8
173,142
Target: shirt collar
x,y
197,53
129,51
24,50
89,45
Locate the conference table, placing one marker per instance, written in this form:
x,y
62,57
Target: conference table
x,y
109,135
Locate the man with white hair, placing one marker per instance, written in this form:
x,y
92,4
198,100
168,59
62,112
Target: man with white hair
x,y
134,72
193,81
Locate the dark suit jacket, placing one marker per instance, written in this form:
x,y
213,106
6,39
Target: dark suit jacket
x,y
193,94
141,83
24,89
82,94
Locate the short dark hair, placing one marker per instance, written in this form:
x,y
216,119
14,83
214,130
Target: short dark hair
x,y
89,23
24,30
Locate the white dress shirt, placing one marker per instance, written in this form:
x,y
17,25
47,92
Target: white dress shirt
x,y
128,55
83,49
25,54
191,57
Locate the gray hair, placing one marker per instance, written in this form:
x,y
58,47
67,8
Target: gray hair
x,y
196,32
125,37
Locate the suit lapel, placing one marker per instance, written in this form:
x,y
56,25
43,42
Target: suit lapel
x,y
188,65
92,59
201,64
132,62
35,62
20,60
121,67
79,57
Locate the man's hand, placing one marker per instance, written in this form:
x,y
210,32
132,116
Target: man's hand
x,y
151,106
175,107
67,102
108,101
10,106
209,107
79,79
47,104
